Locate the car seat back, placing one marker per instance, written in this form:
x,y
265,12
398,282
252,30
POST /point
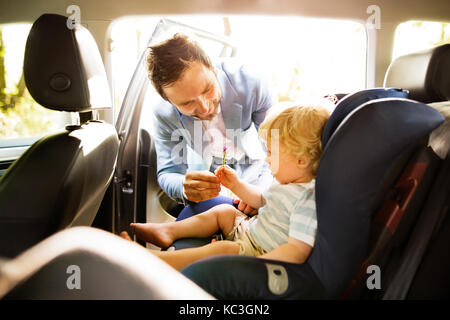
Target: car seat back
x,y
357,158
403,206
60,180
425,74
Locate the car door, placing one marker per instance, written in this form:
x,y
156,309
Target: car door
x,y
135,195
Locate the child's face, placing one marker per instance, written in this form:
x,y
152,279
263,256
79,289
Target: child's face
x,y
285,167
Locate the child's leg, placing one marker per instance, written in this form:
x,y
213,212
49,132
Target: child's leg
x,y
220,217
179,259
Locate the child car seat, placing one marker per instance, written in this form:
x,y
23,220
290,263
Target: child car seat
x,y
418,250
349,185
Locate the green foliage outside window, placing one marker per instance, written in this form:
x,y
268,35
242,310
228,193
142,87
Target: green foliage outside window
x,y
20,115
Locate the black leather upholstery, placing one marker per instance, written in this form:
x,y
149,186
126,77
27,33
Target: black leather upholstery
x,y
63,68
57,183
423,74
61,179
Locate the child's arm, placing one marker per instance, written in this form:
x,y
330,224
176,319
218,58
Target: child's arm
x,y
294,251
248,193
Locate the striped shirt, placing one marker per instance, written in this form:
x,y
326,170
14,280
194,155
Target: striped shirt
x,y
290,211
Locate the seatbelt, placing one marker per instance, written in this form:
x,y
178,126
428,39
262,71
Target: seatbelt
x,y
436,206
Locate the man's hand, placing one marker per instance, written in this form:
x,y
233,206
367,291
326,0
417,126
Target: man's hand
x,y
245,208
201,186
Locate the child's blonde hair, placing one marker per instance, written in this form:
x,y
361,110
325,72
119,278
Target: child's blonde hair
x,y
300,130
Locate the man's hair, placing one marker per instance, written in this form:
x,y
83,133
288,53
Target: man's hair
x,y
299,129
167,60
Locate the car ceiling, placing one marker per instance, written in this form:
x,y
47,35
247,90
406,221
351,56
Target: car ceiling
x,y
98,14
392,11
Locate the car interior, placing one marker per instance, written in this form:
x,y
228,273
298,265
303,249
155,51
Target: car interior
x,y
382,187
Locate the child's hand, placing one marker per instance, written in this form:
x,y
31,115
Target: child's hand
x,y
227,176
245,208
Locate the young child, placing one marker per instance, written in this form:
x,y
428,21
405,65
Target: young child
x,y
286,224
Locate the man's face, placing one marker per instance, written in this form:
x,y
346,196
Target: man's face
x,y
197,93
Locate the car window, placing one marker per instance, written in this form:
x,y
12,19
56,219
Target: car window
x,y
302,56
22,120
129,38
413,36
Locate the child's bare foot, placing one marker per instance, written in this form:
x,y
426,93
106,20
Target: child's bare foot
x,y
155,233
125,236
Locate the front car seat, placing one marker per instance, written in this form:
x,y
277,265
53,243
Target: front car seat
x,y
61,179
83,263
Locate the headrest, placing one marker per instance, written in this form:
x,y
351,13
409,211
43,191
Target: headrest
x,y
425,74
63,68
351,101
356,161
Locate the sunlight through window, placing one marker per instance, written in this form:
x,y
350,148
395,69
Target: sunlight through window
x,y
302,56
413,36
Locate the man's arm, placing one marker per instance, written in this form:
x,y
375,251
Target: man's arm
x,y
294,251
171,151
172,164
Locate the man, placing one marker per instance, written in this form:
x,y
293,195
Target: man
x,y
206,110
